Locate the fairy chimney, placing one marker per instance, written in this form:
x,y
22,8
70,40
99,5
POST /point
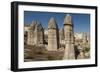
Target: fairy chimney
x,y
69,38
35,34
53,35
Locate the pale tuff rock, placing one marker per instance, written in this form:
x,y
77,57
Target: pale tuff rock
x,y
68,19
83,46
68,32
81,54
35,34
58,43
52,24
26,28
53,37
61,34
30,37
30,40
61,37
84,38
33,26
39,34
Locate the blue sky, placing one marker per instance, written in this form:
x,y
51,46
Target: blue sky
x,y
81,22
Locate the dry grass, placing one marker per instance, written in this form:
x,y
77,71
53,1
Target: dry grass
x,y
39,53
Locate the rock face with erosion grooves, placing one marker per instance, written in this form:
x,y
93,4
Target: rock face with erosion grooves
x,y
69,38
53,37
35,34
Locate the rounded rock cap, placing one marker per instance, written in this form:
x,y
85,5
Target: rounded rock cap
x,y
68,19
